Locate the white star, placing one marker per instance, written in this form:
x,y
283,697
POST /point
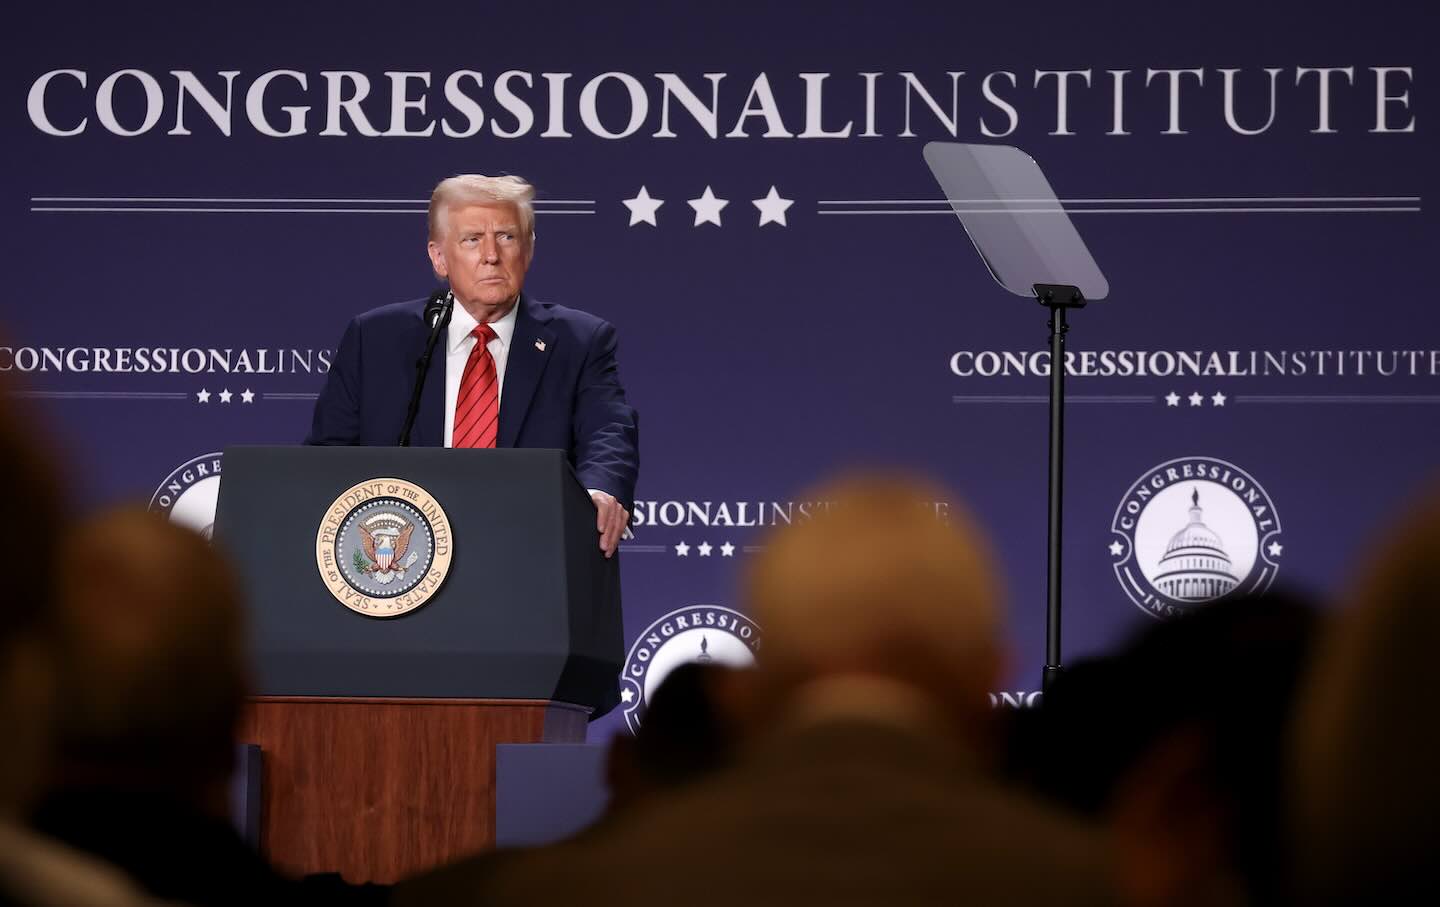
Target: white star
x,y
727,550
682,549
772,208
1116,548
1172,399
1275,549
643,207
1218,399
203,396
1196,399
704,548
225,395
247,396
707,208
627,694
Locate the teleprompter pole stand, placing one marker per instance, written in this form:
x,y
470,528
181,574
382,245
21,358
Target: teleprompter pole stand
x,y
1058,298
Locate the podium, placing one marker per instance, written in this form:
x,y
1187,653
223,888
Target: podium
x,y
411,608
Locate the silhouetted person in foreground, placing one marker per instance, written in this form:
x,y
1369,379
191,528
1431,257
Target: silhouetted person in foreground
x,y
1176,742
862,776
35,870
155,677
685,736
1365,748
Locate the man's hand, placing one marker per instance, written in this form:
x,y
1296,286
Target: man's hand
x,y
610,520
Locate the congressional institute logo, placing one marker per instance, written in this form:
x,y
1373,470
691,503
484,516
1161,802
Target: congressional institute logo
x,y
189,494
703,633
1193,530
384,547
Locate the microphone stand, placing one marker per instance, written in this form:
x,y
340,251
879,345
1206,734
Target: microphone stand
x,y
437,314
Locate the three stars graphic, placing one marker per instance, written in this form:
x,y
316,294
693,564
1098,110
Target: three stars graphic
x,y
682,549
1196,399
203,395
644,207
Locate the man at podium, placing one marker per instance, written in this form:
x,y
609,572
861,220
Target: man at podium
x,y
514,372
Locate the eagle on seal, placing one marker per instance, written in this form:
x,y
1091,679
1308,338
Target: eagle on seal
x,y
386,549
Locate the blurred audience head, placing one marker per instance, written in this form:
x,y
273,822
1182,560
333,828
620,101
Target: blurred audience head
x,y
1365,745
1177,743
31,508
684,736
154,653
884,583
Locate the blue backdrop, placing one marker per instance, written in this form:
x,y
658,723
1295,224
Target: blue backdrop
x,y
198,201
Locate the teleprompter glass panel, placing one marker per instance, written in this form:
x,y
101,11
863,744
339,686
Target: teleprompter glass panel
x,y
1012,215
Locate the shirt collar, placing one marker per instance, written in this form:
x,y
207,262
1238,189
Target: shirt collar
x,y
462,323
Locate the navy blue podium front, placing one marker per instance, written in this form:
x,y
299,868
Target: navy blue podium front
x,y
410,610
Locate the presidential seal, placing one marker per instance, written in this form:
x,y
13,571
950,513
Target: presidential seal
x,y
1193,530
189,494
384,547
695,633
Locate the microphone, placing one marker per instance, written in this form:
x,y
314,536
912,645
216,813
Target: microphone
x,y
438,309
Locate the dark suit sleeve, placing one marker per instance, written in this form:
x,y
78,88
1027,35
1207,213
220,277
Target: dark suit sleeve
x,y
337,409
607,428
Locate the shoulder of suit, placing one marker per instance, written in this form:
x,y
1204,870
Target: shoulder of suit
x,y
393,314
553,312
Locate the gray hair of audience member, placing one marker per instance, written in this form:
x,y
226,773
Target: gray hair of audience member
x,y
478,189
1365,747
880,581
153,639
32,507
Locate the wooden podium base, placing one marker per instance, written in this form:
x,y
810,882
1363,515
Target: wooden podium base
x,y
378,789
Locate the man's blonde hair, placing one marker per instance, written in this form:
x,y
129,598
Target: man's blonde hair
x,y
478,189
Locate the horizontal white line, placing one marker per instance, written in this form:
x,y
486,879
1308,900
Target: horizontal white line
x,y
1127,201
93,210
199,210
103,395
645,549
288,396
1340,398
1041,398
856,201
1328,210
338,201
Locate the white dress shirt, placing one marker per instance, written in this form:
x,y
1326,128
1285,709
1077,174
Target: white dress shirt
x,y
459,342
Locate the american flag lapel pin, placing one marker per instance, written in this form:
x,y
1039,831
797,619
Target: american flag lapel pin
x,y
540,345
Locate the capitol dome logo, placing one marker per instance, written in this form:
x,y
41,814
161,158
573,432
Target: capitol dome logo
x,y
703,633
1193,530
188,495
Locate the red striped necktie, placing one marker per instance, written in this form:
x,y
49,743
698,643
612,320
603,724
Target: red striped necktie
x,y
477,409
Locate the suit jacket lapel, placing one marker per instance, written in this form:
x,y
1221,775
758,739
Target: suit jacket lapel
x,y
531,347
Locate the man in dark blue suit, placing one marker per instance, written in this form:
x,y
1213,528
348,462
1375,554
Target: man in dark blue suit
x,y
514,372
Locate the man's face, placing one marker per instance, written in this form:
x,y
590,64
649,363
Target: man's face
x,y
482,254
